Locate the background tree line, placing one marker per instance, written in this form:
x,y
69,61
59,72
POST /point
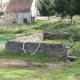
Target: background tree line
x,y
63,7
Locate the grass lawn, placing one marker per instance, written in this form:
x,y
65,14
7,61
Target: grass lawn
x,y
6,37
45,26
36,58
70,72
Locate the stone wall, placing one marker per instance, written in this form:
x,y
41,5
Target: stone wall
x,y
56,36
60,36
30,38
30,45
55,49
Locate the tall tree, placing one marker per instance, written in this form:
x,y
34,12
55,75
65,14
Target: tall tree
x,y
67,7
77,6
70,9
46,8
59,7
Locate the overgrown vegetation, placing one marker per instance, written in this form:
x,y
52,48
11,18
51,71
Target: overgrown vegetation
x,y
44,26
55,27
70,72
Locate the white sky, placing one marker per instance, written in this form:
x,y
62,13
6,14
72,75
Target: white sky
x,y
4,1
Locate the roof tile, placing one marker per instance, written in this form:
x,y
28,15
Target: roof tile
x,y
19,6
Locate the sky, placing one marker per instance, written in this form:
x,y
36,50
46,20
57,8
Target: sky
x,y
4,1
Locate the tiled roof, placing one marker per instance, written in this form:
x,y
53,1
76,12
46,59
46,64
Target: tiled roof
x,y
19,6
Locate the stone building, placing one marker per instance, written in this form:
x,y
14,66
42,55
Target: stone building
x,y
23,11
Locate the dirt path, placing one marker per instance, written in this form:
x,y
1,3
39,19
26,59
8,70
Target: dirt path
x,y
22,64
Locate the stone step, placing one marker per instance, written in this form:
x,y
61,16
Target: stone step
x,y
72,58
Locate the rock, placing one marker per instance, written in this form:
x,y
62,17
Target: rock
x,y
72,58
29,44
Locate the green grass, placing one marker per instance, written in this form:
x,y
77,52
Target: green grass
x,y
40,64
6,37
42,26
45,26
71,72
56,41
36,58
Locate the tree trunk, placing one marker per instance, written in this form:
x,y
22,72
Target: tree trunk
x,y
48,18
48,21
71,20
61,18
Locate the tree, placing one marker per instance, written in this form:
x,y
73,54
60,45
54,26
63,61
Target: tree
x,y
77,6
73,8
59,7
67,7
70,9
46,8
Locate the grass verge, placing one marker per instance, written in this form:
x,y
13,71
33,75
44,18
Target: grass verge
x,y
36,58
71,72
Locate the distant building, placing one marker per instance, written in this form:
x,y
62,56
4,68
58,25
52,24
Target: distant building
x,y
23,11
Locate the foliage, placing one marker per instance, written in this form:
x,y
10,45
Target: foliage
x,y
76,3
41,26
9,19
46,8
67,7
59,7
1,13
70,72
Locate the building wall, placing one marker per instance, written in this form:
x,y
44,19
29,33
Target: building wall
x,y
31,16
34,8
19,17
33,11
